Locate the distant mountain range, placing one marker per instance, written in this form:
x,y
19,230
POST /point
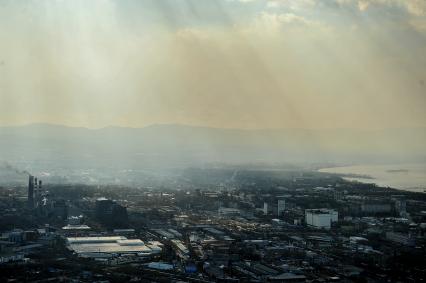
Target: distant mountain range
x,y
180,146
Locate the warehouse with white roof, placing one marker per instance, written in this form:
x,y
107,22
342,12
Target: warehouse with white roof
x,y
107,247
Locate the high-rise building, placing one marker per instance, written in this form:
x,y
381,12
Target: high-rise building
x,y
60,209
401,207
103,209
36,192
281,206
111,213
265,208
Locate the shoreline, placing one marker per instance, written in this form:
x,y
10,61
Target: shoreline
x,y
392,176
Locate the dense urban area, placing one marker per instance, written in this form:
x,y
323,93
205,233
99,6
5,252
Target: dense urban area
x,y
213,225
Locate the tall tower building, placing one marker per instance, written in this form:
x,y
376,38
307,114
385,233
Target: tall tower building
x,y
31,192
281,207
265,208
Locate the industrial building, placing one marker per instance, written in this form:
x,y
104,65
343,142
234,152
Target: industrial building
x,y
181,250
320,218
31,192
35,196
108,247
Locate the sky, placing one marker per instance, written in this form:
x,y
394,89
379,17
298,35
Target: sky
x,y
248,64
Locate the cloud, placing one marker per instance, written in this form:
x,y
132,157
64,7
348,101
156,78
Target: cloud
x,y
413,7
363,5
242,1
246,66
419,25
416,7
291,4
286,64
272,23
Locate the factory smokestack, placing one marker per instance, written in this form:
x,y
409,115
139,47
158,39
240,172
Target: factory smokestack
x,y
31,192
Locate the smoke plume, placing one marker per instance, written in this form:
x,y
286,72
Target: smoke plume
x,y
6,165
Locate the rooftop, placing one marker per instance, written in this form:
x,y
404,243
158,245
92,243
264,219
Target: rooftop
x,y
87,246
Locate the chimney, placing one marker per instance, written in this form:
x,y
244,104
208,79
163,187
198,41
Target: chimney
x,y
31,192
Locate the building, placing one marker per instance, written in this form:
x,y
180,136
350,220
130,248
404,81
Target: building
x,y
111,213
108,247
103,208
373,207
400,238
124,231
31,192
265,208
338,195
59,209
16,236
401,207
76,228
227,211
281,206
180,249
160,266
287,277
75,220
320,218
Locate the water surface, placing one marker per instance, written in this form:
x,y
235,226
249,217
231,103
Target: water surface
x,y
409,177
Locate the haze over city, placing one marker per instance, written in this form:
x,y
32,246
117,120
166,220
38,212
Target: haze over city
x,y
207,141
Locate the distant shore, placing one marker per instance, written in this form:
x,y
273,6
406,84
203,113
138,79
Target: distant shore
x,y
406,177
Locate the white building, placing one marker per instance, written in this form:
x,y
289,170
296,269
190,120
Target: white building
x,y
107,247
320,218
265,208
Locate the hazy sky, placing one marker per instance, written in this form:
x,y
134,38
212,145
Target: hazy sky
x,y
229,63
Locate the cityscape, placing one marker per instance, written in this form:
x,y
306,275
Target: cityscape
x,y
202,141
237,225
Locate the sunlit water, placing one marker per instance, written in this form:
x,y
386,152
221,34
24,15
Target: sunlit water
x,y
409,177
